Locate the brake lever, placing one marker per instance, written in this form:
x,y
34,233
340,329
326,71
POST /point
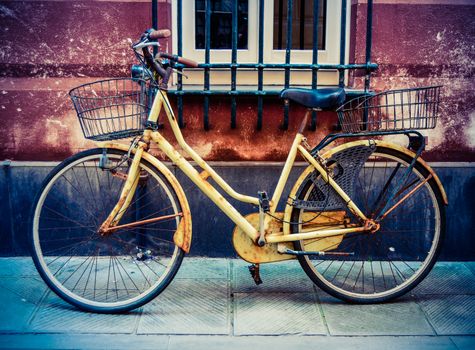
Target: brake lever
x,y
143,44
181,73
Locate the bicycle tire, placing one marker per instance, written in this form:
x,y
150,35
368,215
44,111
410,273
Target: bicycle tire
x,y
390,248
65,218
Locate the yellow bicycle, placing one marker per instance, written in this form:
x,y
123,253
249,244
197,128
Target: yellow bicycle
x,y
365,219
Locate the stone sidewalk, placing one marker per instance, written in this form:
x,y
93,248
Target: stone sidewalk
x,y
214,304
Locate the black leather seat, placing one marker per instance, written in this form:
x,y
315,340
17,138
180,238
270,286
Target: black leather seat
x,y
324,99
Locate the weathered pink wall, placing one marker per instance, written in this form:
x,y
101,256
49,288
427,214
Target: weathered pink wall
x,y
48,47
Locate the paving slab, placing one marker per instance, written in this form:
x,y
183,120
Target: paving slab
x,y
403,317
17,266
277,313
286,276
447,278
464,342
311,342
189,307
471,266
55,315
204,268
19,299
452,315
81,341
161,342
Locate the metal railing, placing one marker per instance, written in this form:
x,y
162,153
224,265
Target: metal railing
x,y
260,66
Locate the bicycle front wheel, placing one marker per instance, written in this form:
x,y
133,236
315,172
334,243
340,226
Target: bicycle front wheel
x,y
113,272
376,266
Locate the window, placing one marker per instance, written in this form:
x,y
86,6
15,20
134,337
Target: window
x,y
275,38
302,24
221,19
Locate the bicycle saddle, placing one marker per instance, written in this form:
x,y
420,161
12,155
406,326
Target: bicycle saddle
x,y
324,99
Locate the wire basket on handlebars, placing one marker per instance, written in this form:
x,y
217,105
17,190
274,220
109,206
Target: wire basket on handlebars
x,y
112,109
393,110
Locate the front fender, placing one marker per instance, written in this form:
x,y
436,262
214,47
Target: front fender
x,y
182,236
331,152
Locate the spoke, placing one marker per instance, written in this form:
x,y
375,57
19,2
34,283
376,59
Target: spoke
x,y
93,194
89,275
121,277
336,274
72,245
64,282
108,276
82,274
92,215
384,191
351,268
60,228
128,275
372,275
382,274
115,277
95,275
74,221
392,272
150,191
114,236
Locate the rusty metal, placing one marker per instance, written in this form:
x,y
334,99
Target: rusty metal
x,y
204,175
414,190
141,222
183,235
119,174
303,124
250,252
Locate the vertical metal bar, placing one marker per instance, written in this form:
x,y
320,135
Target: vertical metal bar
x,y
180,52
316,7
369,40
155,20
285,124
341,80
281,23
302,24
260,69
206,70
234,61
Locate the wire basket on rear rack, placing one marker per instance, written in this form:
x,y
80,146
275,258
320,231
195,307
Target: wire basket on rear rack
x,y
112,109
393,110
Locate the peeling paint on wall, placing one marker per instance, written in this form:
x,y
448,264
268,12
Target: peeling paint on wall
x,y
61,49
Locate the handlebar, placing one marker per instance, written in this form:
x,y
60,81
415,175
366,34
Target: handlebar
x,y
163,69
182,60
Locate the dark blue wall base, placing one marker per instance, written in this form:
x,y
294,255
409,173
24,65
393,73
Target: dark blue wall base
x,y
212,230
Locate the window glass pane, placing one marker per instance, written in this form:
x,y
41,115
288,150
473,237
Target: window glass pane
x,y
221,24
302,24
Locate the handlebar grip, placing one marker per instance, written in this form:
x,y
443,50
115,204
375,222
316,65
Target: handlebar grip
x,y
185,61
159,34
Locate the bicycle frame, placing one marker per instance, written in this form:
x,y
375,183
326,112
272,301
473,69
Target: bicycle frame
x,y
200,179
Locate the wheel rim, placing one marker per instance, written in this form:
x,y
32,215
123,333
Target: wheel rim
x,y
110,271
389,261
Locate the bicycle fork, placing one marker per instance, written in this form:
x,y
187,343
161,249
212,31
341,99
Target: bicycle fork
x,y
128,191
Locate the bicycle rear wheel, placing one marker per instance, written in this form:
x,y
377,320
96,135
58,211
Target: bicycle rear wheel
x,y
108,273
376,267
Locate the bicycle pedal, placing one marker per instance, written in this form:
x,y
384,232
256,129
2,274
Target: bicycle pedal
x,y
254,270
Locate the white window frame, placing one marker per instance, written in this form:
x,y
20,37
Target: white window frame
x,y
220,77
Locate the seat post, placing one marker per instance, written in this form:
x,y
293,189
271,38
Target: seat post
x,y
304,122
